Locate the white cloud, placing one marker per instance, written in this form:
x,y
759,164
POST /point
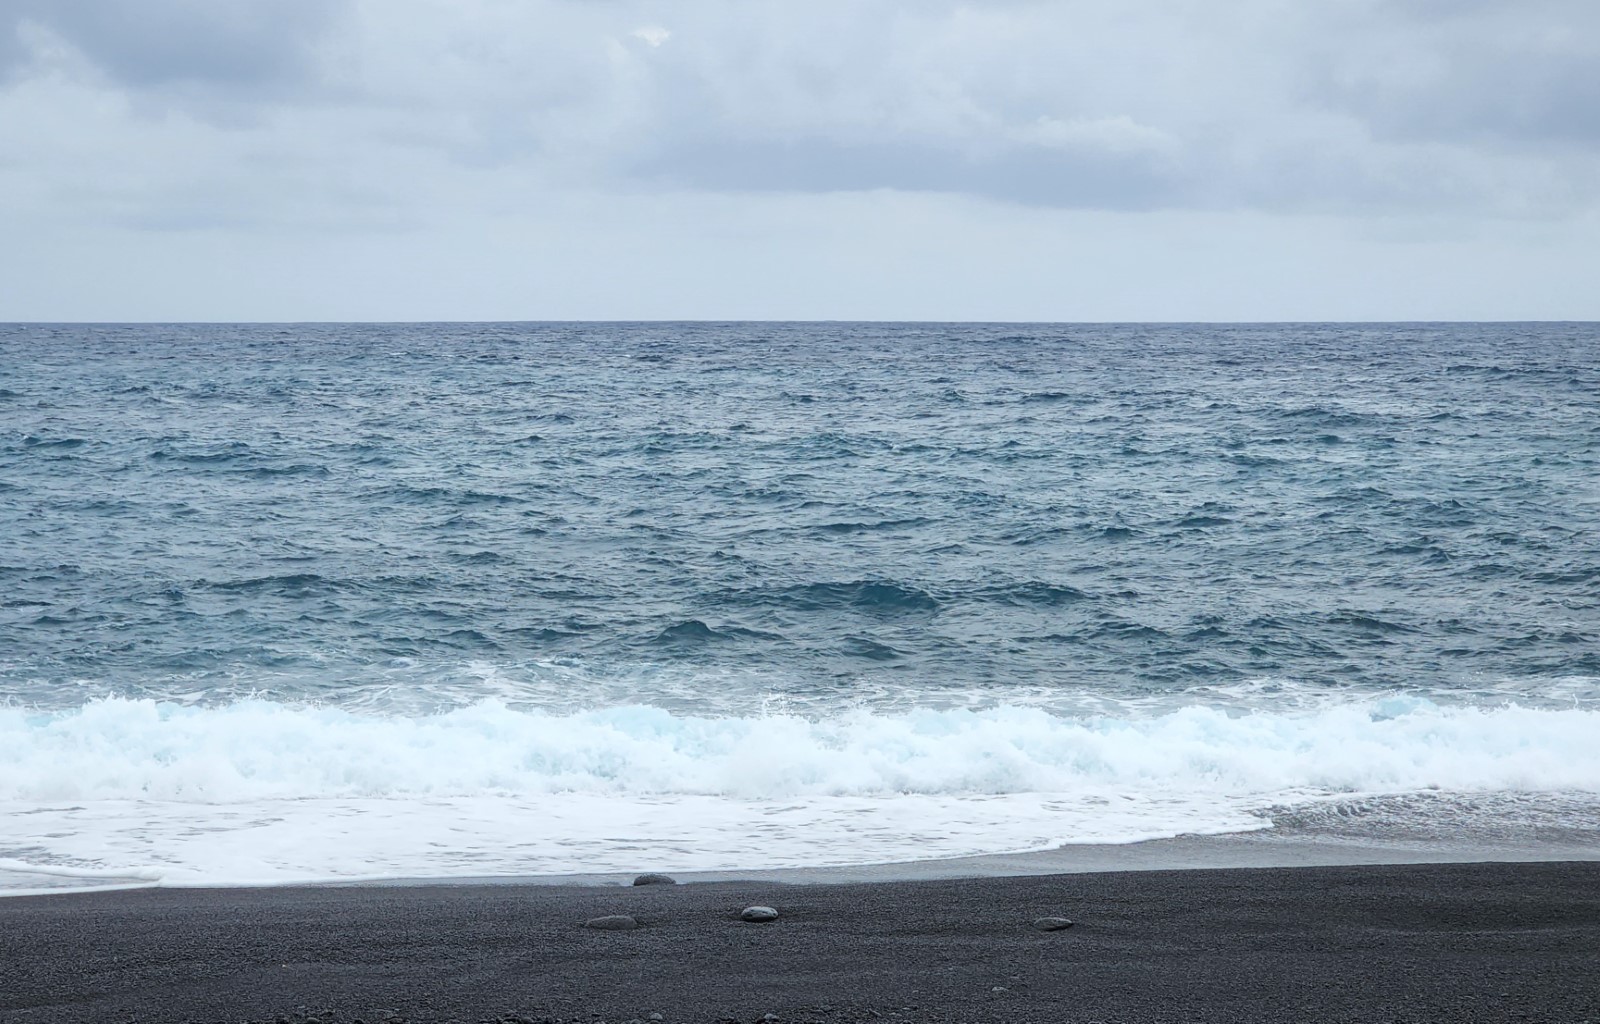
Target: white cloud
x,y
654,35
1120,134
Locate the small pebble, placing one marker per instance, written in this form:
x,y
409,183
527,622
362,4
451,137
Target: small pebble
x,y
655,879
612,923
1051,924
759,915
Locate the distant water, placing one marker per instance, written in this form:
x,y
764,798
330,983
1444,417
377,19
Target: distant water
x,y
302,602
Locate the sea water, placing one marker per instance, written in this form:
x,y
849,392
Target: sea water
x,y
284,603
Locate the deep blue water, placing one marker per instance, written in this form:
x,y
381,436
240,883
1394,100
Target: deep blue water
x,y
831,510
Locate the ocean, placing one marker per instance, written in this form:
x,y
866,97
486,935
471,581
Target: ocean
x,y
287,603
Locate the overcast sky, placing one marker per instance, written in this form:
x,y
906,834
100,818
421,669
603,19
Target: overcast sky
x,y
809,159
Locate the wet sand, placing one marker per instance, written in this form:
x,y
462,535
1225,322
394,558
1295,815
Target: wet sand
x,y
1429,942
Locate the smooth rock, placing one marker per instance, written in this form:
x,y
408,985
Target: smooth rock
x,y
759,915
1051,924
612,923
655,879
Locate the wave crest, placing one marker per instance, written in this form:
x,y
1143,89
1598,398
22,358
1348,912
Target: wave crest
x,y
116,748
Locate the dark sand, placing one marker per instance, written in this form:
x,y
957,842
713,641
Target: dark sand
x,y
1445,942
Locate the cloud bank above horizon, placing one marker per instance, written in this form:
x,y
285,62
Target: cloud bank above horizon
x,y
874,159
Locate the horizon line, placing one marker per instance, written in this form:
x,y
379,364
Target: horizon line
x,y
780,320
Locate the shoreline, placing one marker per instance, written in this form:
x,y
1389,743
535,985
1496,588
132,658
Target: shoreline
x,y
1265,849
1261,849
1460,942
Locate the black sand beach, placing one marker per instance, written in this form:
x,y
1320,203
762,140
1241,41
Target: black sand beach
x,y
1442,942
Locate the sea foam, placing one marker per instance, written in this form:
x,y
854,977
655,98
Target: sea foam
x,y
257,791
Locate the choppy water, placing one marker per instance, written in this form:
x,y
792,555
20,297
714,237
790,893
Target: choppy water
x,y
287,602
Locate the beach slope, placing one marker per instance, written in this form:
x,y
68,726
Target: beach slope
x,y
1445,942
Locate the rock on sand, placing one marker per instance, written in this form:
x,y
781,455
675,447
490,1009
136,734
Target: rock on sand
x,y
612,923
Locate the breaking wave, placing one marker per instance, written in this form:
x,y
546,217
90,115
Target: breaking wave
x,y
116,748
258,791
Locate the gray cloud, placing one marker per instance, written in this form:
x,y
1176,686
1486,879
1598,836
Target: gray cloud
x,y
1366,123
247,46
1083,105
1474,72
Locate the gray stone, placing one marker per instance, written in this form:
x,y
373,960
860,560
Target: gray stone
x,y
655,879
1051,924
612,923
759,915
